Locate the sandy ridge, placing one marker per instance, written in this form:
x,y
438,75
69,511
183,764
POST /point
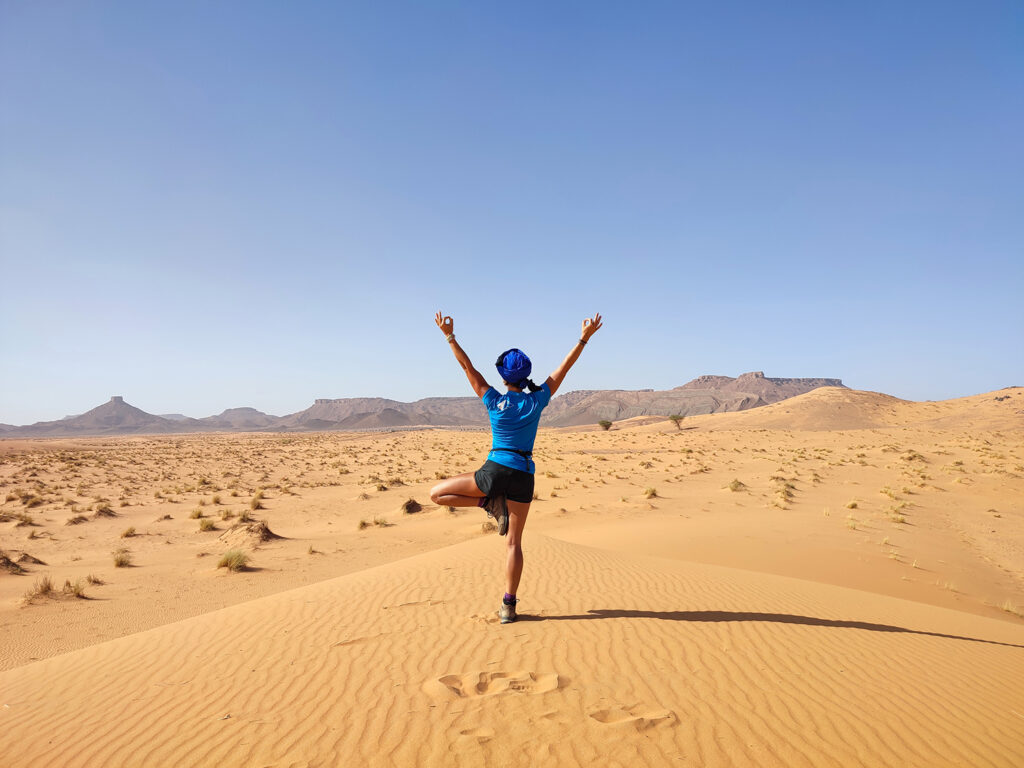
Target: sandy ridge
x,y
634,661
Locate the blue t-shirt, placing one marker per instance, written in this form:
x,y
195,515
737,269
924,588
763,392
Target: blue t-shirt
x,y
514,418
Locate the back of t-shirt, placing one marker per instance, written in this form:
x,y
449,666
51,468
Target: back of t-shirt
x,y
514,419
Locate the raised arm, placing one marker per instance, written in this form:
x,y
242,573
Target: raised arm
x,y
476,381
590,327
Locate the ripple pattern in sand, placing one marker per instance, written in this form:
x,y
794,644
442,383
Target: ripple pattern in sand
x,y
617,661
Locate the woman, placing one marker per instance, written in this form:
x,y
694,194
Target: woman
x,y
504,484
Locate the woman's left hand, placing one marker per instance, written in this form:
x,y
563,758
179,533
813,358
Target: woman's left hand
x,y
446,324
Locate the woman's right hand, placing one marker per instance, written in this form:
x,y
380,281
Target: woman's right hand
x,y
446,324
590,326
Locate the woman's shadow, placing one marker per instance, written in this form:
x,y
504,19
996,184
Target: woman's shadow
x,y
778,618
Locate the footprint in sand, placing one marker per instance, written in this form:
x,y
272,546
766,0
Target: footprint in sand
x,y
476,684
637,716
475,736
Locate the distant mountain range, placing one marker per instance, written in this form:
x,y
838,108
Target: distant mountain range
x,y
705,394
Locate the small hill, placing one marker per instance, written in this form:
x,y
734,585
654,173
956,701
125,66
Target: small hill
x,y
241,419
374,412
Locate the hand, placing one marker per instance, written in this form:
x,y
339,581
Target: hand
x,y
446,324
590,326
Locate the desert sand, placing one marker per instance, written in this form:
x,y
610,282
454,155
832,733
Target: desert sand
x,y
833,580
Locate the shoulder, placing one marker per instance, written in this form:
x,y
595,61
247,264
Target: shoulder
x,y
543,395
490,397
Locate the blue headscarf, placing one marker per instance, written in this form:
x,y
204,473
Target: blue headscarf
x,y
514,367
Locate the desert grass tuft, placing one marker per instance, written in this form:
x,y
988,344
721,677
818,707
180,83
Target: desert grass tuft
x,y
75,589
650,493
234,560
42,588
122,557
411,506
736,485
207,524
196,513
127,533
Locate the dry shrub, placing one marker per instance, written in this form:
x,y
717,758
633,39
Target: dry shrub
x,y
42,588
234,560
76,520
77,589
411,506
259,531
122,557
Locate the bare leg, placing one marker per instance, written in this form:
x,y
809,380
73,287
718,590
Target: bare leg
x,y
458,491
517,512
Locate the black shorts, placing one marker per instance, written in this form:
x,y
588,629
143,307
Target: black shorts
x,y
495,479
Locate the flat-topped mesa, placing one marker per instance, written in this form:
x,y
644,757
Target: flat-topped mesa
x,y
117,399
707,382
758,376
755,381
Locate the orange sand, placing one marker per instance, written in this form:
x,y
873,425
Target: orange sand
x,y
762,622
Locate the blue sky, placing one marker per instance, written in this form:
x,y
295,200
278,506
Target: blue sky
x,y
209,205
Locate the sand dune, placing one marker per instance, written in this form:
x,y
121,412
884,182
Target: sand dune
x,y
623,660
834,408
762,588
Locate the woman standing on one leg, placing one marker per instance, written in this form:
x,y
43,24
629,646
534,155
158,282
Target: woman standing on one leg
x,y
504,484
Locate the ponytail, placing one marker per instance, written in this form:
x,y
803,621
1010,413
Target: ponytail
x,y
533,387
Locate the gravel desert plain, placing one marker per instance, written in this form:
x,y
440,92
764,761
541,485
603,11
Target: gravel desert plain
x,y
836,579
